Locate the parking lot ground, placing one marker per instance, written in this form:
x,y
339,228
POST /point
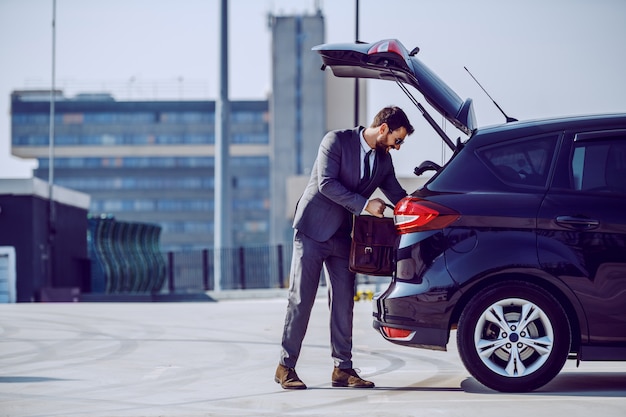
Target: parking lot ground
x,y
218,359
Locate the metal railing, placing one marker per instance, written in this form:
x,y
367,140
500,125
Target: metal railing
x,y
125,259
243,268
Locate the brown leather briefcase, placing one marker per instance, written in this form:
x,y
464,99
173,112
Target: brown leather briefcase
x,y
373,243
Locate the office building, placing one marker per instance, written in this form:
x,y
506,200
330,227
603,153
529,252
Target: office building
x,y
151,161
298,118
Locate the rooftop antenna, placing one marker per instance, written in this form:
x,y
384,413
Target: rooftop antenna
x,y
508,119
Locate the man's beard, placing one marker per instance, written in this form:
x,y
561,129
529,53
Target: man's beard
x,y
382,147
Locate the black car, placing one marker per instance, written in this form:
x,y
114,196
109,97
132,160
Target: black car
x,y
518,241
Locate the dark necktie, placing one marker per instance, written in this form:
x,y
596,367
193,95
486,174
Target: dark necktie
x,y
367,172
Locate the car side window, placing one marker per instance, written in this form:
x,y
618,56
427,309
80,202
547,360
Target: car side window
x,y
599,165
523,162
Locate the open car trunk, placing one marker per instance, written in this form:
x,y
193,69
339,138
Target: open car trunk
x,y
390,60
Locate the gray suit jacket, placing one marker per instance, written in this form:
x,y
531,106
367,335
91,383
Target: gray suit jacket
x,y
332,194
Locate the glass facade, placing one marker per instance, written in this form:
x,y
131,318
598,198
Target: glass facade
x,y
154,162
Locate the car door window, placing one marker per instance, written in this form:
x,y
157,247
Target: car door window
x,y
523,162
599,165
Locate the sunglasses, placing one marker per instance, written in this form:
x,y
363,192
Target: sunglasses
x,y
397,141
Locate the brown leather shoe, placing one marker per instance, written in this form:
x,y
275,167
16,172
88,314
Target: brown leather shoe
x,y
349,378
287,378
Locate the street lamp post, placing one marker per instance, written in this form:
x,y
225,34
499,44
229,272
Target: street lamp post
x,y
51,208
221,221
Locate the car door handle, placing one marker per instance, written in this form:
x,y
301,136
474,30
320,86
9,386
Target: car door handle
x,y
579,223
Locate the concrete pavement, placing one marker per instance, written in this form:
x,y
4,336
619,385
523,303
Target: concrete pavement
x,y
218,359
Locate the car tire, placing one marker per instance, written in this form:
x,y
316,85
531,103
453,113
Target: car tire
x,y
513,337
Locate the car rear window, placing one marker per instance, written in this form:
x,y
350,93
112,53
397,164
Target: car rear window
x,y
521,162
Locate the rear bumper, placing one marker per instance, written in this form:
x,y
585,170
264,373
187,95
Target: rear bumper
x,y
420,337
422,319
416,308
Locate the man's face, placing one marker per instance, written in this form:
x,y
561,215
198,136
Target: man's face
x,y
390,139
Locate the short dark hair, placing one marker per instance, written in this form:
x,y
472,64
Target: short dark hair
x,y
394,117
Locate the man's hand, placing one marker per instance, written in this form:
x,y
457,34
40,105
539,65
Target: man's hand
x,y
375,207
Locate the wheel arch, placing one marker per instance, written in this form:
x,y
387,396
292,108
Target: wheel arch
x,y
572,309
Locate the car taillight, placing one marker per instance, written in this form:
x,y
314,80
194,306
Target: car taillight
x,y
413,214
397,334
387,46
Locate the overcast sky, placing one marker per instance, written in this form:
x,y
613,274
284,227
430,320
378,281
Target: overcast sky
x,y
537,58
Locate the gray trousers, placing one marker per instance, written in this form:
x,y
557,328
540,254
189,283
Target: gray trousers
x,y
309,257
